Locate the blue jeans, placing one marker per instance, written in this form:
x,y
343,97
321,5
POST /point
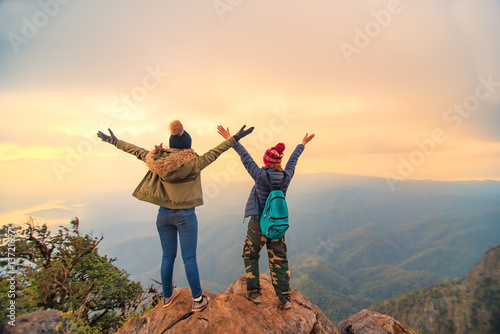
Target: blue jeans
x,y
169,223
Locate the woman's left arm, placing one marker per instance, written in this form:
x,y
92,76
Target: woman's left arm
x,y
209,157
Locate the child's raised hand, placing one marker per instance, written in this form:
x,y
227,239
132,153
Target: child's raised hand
x,y
307,139
223,132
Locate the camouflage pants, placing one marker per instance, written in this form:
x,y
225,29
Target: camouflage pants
x,y
278,262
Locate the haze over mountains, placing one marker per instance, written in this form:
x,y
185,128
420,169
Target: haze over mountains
x,y
352,241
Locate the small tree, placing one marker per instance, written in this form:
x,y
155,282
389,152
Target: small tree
x,y
64,271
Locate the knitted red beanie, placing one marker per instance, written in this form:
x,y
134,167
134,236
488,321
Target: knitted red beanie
x,y
274,154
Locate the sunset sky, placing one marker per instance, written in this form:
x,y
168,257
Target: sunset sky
x,y
392,89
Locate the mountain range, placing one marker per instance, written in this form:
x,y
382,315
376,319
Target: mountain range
x,y
353,241
468,305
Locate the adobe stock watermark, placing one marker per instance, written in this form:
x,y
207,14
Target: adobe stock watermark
x,y
277,123
123,105
454,116
364,35
11,276
30,27
322,252
224,6
120,108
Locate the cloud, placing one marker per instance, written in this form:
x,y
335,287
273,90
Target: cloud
x,y
179,60
477,25
16,151
484,123
52,212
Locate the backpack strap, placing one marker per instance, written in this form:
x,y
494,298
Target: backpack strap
x,y
282,187
270,183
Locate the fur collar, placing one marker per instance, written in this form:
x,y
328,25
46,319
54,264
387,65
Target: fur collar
x,y
162,162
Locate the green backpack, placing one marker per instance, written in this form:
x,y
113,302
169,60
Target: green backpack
x,y
274,218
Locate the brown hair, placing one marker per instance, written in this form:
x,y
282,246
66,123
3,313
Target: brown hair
x,y
277,167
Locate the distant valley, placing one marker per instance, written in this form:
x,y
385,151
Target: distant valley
x,y
352,242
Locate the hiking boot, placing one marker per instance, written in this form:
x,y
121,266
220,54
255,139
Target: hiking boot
x,y
201,305
168,301
254,296
285,303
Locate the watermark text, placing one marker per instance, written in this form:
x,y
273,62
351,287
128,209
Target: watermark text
x,y
30,27
11,276
453,116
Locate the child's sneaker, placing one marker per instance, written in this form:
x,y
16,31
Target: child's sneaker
x,y
285,303
168,301
200,305
255,296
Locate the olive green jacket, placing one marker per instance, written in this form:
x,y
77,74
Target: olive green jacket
x,y
179,188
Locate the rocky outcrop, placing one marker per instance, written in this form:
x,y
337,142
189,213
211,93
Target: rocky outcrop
x,y
34,323
230,312
369,322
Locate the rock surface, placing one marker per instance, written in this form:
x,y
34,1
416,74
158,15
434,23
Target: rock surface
x,y
33,323
230,312
369,322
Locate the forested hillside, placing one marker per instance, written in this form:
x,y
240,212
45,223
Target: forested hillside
x,y
352,241
469,305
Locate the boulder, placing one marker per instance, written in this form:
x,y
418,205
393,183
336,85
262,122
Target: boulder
x,y
34,323
369,322
231,312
